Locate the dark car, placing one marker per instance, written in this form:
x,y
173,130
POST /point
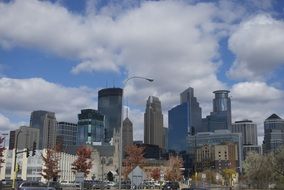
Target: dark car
x,y
172,185
54,184
34,185
194,188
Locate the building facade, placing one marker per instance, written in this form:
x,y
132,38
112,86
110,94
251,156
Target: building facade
x,y
90,128
248,129
110,105
46,123
221,117
183,119
273,133
217,138
26,137
127,133
153,122
66,135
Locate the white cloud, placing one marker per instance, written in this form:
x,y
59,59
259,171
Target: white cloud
x,y
256,101
22,96
258,44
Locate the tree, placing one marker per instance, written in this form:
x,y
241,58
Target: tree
x,y
173,173
259,170
155,174
83,163
228,174
134,157
51,164
279,161
2,149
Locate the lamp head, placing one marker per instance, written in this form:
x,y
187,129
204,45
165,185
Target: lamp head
x,y
150,80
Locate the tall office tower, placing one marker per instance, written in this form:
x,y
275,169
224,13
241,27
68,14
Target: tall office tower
x,y
127,133
194,111
273,133
66,135
26,137
46,123
248,129
183,119
110,105
153,122
221,117
90,127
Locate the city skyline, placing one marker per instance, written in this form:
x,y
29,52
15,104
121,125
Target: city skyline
x,y
56,55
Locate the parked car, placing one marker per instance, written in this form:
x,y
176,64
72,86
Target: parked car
x,y
172,185
54,184
33,185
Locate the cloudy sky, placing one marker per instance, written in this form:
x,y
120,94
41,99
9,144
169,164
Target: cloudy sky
x,y
55,55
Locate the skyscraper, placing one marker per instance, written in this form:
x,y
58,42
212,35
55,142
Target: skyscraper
x,y
90,127
46,123
221,117
66,135
183,119
273,133
127,133
153,122
248,129
26,138
110,105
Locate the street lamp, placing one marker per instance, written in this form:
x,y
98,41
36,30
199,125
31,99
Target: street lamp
x,y
121,124
15,159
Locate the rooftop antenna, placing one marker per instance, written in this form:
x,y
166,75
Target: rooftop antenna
x,y
113,83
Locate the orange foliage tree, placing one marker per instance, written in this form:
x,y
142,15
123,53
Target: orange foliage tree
x,y
134,157
155,174
51,164
83,163
173,173
2,148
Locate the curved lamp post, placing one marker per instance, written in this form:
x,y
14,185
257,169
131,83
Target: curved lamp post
x,y
121,124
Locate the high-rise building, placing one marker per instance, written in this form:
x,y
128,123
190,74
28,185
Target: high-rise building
x,y
110,105
66,135
183,119
90,127
46,123
248,129
153,122
127,133
221,117
26,137
194,110
273,133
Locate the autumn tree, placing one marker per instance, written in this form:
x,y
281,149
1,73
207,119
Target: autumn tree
x,y
173,173
155,174
51,160
2,149
228,174
134,157
83,163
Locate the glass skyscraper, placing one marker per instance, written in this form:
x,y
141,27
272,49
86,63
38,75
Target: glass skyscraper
x,y
90,127
46,123
183,119
273,133
221,117
178,127
66,135
110,105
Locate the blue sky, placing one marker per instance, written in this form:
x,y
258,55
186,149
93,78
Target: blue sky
x,y
55,55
